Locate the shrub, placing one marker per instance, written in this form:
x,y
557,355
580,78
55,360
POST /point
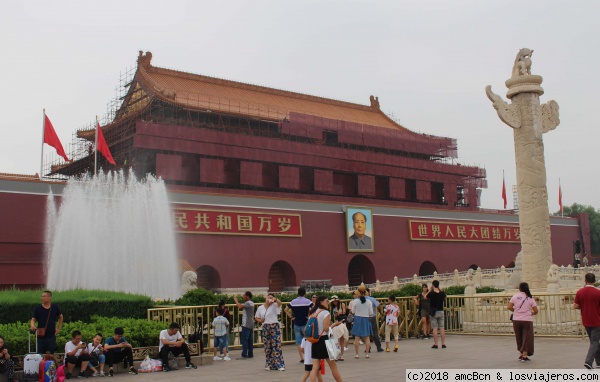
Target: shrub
x,y
75,305
455,290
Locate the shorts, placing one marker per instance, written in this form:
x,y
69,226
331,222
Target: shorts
x,y
299,333
221,342
437,321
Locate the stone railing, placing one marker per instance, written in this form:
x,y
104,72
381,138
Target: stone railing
x,y
569,278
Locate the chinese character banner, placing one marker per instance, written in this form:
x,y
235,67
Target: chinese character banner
x,y
460,231
236,223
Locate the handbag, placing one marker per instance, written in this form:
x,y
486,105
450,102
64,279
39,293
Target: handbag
x,y
350,318
511,315
333,346
196,337
94,360
42,332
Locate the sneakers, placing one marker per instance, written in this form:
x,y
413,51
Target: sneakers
x,y
132,370
226,358
190,366
267,368
111,373
282,369
434,347
217,358
102,374
166,369
588,366
443,346
96,374
81,375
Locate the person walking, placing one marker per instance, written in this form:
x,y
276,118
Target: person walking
x,y
247,324
319,349
524,308
266,314
587,299
436,299
423,309
49,322
373,321
300,307
362,310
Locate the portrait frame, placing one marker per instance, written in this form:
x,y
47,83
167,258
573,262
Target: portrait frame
x,y
353,243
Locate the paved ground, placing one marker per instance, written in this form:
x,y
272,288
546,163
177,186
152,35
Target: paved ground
x,y
468,352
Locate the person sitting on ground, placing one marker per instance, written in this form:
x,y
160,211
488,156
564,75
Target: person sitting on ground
x,y
221,326
171,341
97,357
117,350
76,354
7,365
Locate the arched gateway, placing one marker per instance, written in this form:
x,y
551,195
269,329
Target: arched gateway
x,y
208,278
427,268
361,270
281,276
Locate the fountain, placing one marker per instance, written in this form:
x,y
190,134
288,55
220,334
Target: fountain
x,y
113,232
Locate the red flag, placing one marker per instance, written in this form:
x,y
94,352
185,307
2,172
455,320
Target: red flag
x,y
560,197
51,138
503,192
103,147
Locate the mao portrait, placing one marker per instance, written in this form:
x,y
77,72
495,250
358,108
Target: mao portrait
x,y
359,229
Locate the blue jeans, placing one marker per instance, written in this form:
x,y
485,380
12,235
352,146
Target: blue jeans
x,y
221,342
101,358
299,333
247,342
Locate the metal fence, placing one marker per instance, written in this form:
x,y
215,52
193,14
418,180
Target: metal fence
x,y
484,314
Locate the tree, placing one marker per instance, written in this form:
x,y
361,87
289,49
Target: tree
x,y
594,214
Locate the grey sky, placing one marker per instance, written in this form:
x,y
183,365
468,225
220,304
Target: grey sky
x,y
428,62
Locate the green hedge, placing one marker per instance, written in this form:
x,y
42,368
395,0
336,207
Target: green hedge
x,y
75,305
139,332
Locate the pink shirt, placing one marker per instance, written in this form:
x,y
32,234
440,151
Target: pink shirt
x,y
522,313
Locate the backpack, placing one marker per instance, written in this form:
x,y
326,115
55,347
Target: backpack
x,y
311,331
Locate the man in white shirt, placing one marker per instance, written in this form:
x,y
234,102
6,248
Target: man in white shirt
x,y
76,354
171,341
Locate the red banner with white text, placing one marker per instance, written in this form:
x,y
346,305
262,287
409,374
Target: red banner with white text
x,y
221,222
462,231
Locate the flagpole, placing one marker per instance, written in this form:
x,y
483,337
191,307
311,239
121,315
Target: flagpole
x,y
96,148
560,192
43,135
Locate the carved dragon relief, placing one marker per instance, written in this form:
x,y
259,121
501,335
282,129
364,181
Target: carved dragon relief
x,y
509,114
550,116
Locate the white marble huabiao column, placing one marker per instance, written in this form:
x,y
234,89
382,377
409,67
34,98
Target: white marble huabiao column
x,y
529,121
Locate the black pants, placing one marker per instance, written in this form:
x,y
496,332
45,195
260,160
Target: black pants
x,y
113,356
164,353
375,334
77,360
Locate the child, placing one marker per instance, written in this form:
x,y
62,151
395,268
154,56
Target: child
x,y
221,326
97,360
308,362
391,322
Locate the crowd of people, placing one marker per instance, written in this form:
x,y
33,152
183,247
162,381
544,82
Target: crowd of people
x,y
358,319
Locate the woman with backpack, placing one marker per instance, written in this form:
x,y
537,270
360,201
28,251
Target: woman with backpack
x,y
362,309
319,349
